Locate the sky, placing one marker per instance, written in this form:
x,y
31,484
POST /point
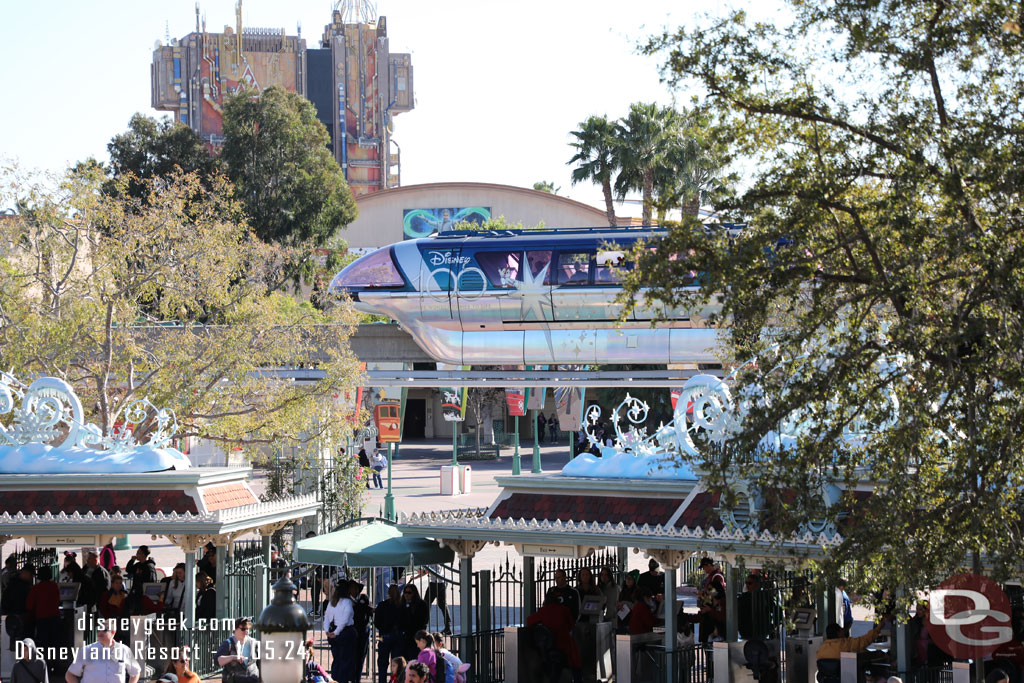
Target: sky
x,y
499,84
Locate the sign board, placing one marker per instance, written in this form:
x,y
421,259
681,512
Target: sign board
x,y
78,541
548,550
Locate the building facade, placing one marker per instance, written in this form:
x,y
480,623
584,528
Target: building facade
x,y
356,84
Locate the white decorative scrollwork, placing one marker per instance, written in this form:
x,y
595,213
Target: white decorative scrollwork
x,y
48,430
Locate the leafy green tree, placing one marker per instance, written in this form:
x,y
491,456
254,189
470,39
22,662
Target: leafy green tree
x,y
168,298
647,140
595,158
880,281
152,148
546,186
275,151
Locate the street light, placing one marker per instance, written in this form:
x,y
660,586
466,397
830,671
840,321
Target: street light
x,y
283,625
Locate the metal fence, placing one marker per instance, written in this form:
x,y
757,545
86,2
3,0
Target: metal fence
x,y
689,664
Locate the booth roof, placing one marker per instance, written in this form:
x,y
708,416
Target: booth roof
x,y
376,544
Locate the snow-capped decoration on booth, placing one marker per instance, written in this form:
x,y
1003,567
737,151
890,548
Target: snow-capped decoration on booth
x,y
707,415
48,434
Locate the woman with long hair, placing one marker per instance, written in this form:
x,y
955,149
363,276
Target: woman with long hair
x,y
413,617
338,625
428,653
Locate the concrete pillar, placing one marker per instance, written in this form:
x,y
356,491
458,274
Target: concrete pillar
x,y
220,581
847,667
833,604
732,579
670,623
511,636
623,659
720,659
466,609
529,587
188,601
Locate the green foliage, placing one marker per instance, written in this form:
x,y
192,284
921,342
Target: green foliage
x,y
880,282
595,158
499,224
545,186
275,151
153,149
674,159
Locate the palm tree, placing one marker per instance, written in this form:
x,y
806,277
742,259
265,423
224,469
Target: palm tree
x,y
595,158
648,141
691,174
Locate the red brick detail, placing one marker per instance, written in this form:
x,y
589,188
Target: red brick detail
x,y
96,501
564,507
227,496
701,513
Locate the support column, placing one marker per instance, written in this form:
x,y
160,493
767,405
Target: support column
x,y
821,608
466,608
389,497
455,444
483,624
901,639
263,576
517,466
731,634
670,623
188,600
831,603
220,583
536,469
529,587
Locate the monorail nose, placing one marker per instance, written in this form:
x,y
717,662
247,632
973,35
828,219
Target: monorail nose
x,y
376,270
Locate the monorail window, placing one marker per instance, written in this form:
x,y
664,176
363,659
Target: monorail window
x,y
574,268
501,268
373,270
540,265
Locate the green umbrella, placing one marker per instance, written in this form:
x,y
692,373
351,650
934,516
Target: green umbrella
x,y
370,545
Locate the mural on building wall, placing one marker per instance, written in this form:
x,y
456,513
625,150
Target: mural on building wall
x,y
418,223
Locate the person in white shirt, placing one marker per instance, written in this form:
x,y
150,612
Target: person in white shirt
x,y
339,625
104,661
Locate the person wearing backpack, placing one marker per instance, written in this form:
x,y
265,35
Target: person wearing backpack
x,y
556,618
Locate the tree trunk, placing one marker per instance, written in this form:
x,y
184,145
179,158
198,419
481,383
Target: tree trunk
x,y
648,194
609,206
691,206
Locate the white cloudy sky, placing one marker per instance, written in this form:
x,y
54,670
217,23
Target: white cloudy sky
x,y
499,83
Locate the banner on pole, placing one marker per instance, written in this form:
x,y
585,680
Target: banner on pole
x,y
569,408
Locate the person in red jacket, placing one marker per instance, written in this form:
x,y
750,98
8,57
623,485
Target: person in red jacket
x,y
558,619
43,605
642,620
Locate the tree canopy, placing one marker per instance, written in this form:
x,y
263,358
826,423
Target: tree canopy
x,y
171,298
880,281
275,151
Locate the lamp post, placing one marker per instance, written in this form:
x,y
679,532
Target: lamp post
x,y
455,444
283,625
517,465
389,497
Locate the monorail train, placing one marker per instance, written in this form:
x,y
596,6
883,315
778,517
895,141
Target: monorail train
x,y
523,297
